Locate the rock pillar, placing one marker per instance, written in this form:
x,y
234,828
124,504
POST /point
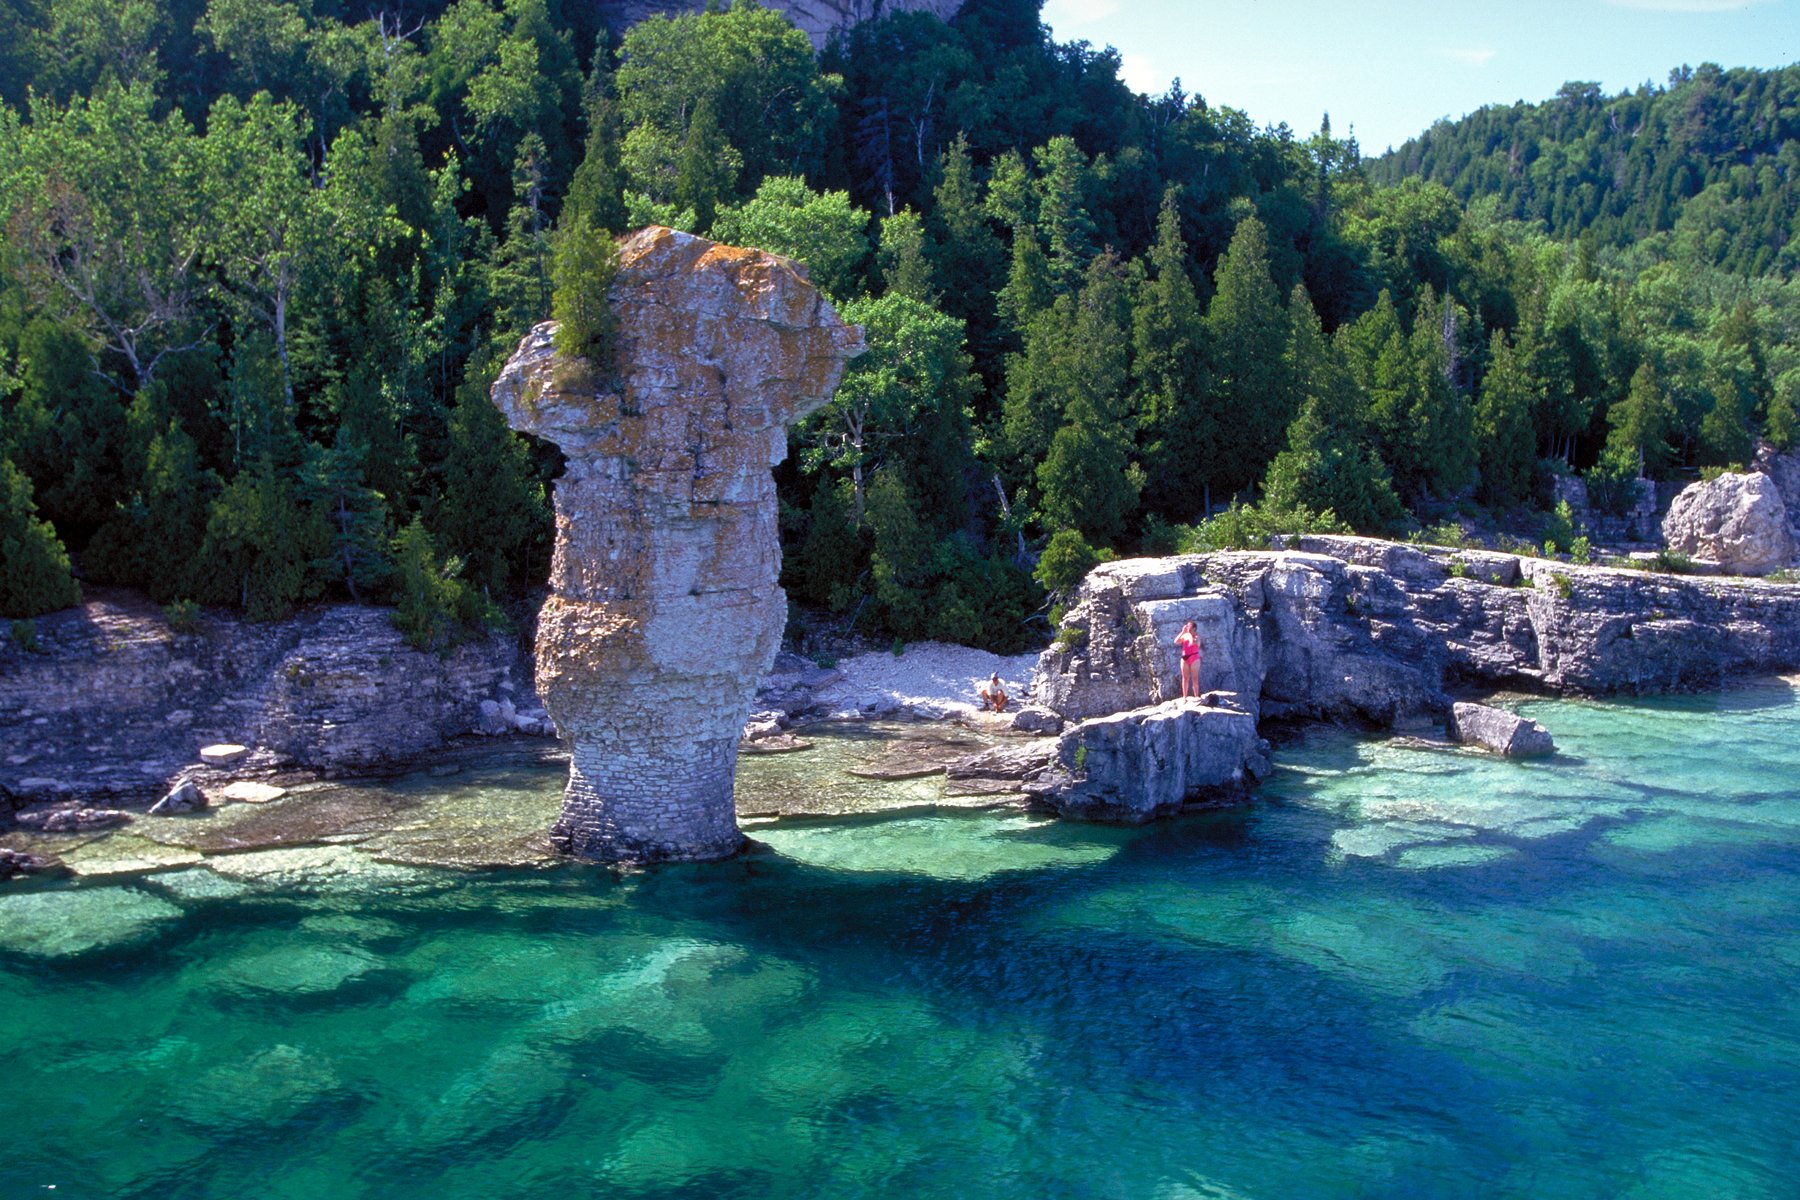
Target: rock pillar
x,y
664,609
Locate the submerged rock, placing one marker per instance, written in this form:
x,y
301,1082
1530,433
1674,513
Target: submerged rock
x,y
64,924
664,612
1498,730
1736,521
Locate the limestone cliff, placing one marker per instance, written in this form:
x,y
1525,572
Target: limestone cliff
x,y
818,19
664,610
1340,627
114,702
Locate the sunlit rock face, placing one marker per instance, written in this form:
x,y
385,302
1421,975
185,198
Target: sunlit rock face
x,y
664,610
818,19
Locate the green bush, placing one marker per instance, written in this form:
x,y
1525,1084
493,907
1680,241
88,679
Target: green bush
x,y
183,616
434,609
1242,527
587,260
34,567
25,633
1580,551
1066,561
1559,529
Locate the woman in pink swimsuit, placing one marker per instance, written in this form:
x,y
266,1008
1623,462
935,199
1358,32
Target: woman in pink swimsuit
x,y
1188,642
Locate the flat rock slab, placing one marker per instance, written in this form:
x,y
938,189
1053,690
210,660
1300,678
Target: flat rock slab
x,y
781,744
914,759
247,791
222,754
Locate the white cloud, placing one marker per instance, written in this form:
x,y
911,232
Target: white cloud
x,y
1688,6
1475,58
1142,75
1058,13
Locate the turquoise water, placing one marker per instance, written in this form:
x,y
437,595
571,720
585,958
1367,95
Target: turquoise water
x,y
1401,972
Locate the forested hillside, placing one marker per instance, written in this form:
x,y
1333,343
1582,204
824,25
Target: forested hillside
x,y
263,260
1707,167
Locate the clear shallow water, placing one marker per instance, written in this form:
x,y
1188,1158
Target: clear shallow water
x,y
1403,972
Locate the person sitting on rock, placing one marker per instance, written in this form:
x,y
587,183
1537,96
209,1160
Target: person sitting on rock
x,y
1188,642
993,696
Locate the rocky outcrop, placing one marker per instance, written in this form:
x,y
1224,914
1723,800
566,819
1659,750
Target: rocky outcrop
x,y
1736,521
1358,629
117,703
1135,766
818,19
1498,730
664,611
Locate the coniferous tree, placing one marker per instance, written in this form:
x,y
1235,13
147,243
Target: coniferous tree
x,y
1505,446
904,257
1329,464
34,567
492,512
1169,381
1087,480
1246,333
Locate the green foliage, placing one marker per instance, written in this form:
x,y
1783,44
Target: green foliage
x,y
1580,551
823,231
1243,527
1559,528
587,260
433,609
36,578
26,635
1565,587
1066,561
183,616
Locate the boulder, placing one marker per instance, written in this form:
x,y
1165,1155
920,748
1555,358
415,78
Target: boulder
x,y
1031,718
1737,521
1136,766
664,613
185,796
1498,730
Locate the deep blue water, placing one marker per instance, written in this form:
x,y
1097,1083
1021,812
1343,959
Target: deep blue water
x,y
1400,972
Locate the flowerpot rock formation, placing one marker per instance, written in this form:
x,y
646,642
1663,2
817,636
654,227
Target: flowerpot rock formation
x,y
664,609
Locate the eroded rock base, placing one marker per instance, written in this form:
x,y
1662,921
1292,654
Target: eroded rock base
x,y
628,805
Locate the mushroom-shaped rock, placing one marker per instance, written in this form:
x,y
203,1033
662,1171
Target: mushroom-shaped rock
x,y
1737,521
664,611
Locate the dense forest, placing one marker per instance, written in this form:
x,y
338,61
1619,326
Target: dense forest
x,y
263,259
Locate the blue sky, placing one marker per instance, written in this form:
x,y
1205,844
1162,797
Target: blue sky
x,y
1393,68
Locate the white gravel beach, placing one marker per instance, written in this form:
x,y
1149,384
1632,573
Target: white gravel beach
x,y
929,679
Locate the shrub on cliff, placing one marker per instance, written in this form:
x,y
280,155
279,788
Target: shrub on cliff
x,y
34,567
587,259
